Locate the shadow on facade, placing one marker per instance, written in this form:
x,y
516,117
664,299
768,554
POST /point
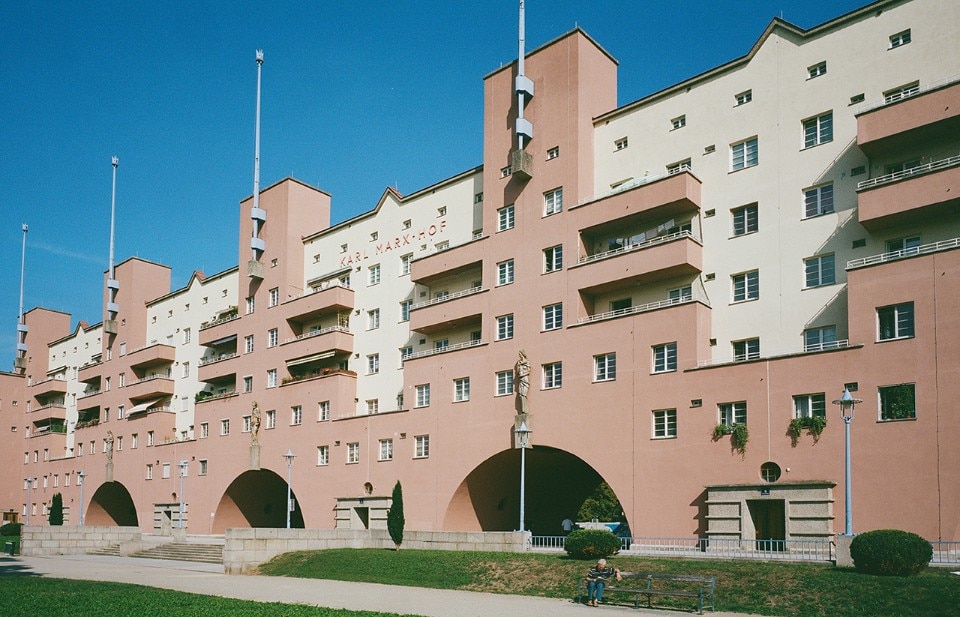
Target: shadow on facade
x,y
256,499
489,498
111,505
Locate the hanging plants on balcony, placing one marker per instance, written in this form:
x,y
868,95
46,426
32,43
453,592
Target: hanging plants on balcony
x,y
739,435
814,424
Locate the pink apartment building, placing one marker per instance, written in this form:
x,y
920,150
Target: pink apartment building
x,y
736,249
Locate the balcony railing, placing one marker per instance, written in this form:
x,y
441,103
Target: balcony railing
x,y
637,182
323,286
453,296
59,404
750,357
313,333
926,249
51,379
165,375
919,170
47,430
445,349
640,308
636,247
217,322
215,397
910,93
87,394
217,358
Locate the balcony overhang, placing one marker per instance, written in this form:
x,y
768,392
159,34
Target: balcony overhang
x,y
911,199
928,116
154,355
678,257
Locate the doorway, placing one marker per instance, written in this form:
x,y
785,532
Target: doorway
x,y
769,523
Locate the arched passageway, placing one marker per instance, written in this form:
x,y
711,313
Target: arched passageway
x,y
256,499
488,499
111,505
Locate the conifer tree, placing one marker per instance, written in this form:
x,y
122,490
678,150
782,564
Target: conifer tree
x,y
395,519
56,510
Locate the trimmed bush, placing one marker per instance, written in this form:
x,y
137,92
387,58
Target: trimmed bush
x,y
10,529
591,544
890,552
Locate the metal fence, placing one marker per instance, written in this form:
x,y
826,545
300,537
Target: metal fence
x,y
720,548
946,552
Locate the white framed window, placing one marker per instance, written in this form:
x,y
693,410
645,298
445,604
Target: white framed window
x,y
204,430
818,130
744,154
553,152
421,446
504,383
816,70
461,389
819,271
905,246
405,352
745,219
506,171
373,275
747,349
405,310
248,383
251,305
679,167
505,272
477,199
273,337
818,200
605,367
386,450
744,97
898,402
296,415
665,358
274,297
810,405
815,339
552,375
248,344
186,335
323,411
621,144
553,316
134,441
353,452
225,426
901,92
247,422
504,327
373,319
272,418
323,456
405,263
441,344
553,258
272,378
746,286
733,413
423,395
373,406
679,122
505,218
149,474
553,202
895,321
664,423
900,39
373,364
680,294
203,467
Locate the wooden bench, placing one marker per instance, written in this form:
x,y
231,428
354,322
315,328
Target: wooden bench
x,y
651,584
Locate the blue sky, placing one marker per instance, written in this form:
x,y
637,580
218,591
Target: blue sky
x,y
356,97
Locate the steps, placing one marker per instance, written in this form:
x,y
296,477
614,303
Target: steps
x,y
203,553
111,550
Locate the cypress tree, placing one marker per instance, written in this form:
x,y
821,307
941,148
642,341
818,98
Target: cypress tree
x,y
56,510
395,519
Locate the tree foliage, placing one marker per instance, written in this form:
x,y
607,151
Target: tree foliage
x,y
395,520
890,552
56,510
601,505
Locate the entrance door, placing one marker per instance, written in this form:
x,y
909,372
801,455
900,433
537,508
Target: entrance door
x,y
769,521
363,515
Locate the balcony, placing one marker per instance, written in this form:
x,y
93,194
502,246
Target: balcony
x,y
916,115
426,353
48,429
446,312
205,397
925,191
219,329
151,355
90,373
155,386
317,345
217,367
448,262
636,310
56,385
926,249
673,255
669,195
333,296
52,411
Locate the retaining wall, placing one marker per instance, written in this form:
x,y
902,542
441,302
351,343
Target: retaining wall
x,y
39,540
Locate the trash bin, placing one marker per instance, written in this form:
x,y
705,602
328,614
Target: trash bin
x,y
8,548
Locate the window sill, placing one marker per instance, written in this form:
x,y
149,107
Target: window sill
x,y
745,301
733,171
604,380
883,421
896,338
664,372
662,438
812,146
746,233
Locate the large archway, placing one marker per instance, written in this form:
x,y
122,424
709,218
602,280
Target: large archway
x,y
111,505
488,499
256,499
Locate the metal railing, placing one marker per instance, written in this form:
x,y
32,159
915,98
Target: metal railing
x,y
813,348
319,332
626,186
445,349
943,245
323,286
218,358
719,548
217,322
166,375
453,296
640,308
90,393
911,92
946,552
636,247
919,170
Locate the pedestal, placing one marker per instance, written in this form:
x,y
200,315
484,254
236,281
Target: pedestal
x,y
255,457
109,472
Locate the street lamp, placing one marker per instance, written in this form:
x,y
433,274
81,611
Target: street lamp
x,y
183,472
80,477
29,486
847,404
289,456
523,438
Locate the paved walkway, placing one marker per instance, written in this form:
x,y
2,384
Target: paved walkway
x,y
209,579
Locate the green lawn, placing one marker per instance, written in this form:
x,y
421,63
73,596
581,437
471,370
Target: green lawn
x,y
765,588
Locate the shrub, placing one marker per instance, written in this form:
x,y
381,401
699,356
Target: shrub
x,y
890,552
395,518
56,510
591,544
10,529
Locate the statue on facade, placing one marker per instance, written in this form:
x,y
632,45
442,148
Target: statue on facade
x,y
255,425
523,380
109,444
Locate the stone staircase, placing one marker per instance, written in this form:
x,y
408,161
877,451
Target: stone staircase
x,y
111,550
203,553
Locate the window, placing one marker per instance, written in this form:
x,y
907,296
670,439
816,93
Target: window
x,y
505,272
251,304
680,294
405,352
665,358
679,122
818,130
895,321
373,364
186,335
150,440
373,275
272,378
504,327
273,337
745,220
818,200
149,472
441,344
296,415
816,339
898,402
552,202
504,383
553,258
744,97
323,455
505,218
386,450
553,152
323,411
733,413
203,467
819,271
248,344
248,383
621,144
810,406
744,154
477,199
405,263
421,446
274,297
553,317
247,422
373,319
664,423
857,98
621,306
423,395
901,92
225,426
605,367
747,349
134,441
461,389
746,286
353,452
405,310
678,167
204,430
552,375
817,70
899,39
904,246
272,418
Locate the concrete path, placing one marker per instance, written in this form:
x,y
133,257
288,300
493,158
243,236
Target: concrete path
x,y
209,579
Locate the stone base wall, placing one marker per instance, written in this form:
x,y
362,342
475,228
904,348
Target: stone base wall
x,y
246,549
56,540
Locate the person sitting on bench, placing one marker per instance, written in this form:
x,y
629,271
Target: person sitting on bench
x,y
597,578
